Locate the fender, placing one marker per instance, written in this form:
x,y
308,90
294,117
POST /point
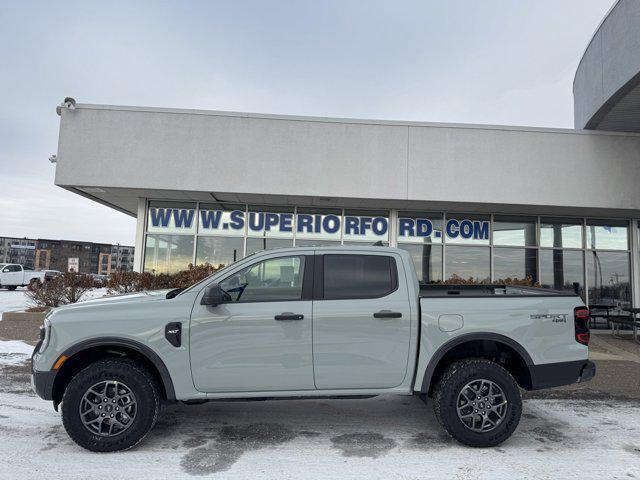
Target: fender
x,y
132,344
442,351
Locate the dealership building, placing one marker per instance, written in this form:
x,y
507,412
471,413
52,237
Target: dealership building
x,y
471,203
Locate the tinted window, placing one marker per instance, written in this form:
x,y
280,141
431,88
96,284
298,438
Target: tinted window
x,y
272,280
358,276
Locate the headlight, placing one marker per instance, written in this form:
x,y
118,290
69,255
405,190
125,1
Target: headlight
x,y
45,334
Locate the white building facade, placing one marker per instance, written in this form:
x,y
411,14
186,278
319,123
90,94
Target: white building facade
x,y
472,203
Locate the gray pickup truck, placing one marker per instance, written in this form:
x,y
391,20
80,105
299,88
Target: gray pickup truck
x,y
310,322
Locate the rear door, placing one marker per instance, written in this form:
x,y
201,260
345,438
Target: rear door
x,y
361,321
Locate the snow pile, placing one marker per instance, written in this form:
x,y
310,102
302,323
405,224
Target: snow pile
x,y
18,300
14,352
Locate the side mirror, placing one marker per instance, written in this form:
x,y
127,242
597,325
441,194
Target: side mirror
x,y
213,295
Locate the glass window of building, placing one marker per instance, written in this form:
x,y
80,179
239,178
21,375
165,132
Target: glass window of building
x,y
607,235
317,243
427,259
171,217
365,226
270,222
608,275
515,265
470,264
318,226
168,253
562,270
222,219
467,229
514,231
419,227
257,244
561,232
219,250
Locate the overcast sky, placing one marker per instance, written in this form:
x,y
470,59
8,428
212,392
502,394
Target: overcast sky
x,y
497,62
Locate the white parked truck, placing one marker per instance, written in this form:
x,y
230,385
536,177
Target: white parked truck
x,y
13,275
310,322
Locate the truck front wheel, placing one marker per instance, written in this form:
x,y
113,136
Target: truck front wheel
x,y
110,405
478,403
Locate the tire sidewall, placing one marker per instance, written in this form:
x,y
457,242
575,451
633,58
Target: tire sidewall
x,y
448,398
141,384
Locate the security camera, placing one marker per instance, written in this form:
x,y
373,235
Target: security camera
x,y
69,103
53,158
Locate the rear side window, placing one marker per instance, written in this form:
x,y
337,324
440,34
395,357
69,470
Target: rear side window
x,y
358,276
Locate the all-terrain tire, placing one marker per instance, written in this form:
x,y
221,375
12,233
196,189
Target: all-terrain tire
x,y
136,378
446,396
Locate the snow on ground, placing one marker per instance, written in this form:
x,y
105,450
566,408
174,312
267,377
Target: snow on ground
x,y
18,300
14,352
384,437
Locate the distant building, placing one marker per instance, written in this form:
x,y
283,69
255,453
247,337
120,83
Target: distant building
x,y
18,250
122,258
65,255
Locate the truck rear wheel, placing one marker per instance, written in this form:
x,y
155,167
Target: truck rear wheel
x,y
110,405
12,288
478,403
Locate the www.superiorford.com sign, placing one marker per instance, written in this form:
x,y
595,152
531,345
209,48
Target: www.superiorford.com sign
x,y
309,226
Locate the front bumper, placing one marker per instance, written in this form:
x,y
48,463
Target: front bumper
x,y
563,373
42,382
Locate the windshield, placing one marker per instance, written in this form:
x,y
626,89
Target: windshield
x,y
2,265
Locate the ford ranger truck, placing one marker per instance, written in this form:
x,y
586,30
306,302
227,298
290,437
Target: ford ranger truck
x,y
310,322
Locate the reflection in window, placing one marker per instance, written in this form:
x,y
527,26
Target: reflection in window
x,y
562,270
608,235
272,280
427,259
515,264
561,233
467,263
608,278
168,253
219,250
514,231
257,244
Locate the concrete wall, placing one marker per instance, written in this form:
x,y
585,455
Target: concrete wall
x,y
610,62
133,151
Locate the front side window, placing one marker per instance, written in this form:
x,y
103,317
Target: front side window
x,y
272,280
358,276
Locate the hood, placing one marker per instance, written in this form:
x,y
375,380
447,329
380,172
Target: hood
x,y
138,297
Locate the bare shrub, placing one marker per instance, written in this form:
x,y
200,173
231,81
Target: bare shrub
x,y
128,282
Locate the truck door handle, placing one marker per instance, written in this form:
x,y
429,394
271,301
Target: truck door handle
x,y
289,316
387,314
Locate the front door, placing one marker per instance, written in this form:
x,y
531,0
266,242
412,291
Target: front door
x,y
12,275
361,321
261,338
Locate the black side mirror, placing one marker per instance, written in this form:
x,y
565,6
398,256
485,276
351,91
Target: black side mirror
x,y
213,295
